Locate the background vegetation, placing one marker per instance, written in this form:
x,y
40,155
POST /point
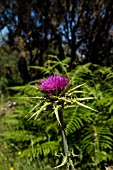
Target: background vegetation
x,y
74,38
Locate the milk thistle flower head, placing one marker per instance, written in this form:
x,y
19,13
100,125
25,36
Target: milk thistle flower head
x,y
53,83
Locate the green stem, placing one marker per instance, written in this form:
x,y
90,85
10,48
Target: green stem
x,y
65,144
64,139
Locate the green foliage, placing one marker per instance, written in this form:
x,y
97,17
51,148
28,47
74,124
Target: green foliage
x,y
89,133
9,75
96,134
52,65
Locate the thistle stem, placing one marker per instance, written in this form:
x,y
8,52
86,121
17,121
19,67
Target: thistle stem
x,y
65,144
64,140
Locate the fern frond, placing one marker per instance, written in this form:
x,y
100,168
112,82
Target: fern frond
x,y
74,123
97,138
18,135
51,147
76,116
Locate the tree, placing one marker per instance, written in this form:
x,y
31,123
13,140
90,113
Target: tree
x,y
54,25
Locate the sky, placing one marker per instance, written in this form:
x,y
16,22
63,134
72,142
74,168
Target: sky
x,y
3,32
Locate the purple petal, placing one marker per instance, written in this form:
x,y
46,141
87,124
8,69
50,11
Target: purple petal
x,y
54,82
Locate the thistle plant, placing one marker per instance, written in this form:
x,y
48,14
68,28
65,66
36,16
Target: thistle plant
x,y
58,94
54,83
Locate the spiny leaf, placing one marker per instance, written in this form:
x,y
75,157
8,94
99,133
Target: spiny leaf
x,y
75,88
83,105
74,92
64,161
37,105
36,114
56,113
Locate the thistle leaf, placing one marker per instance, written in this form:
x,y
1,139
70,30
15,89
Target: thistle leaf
x,y
36,114
83,105
56,113
76,87
37,105
64,161
86,98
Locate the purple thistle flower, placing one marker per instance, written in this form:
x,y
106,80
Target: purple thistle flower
x,y
53,83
